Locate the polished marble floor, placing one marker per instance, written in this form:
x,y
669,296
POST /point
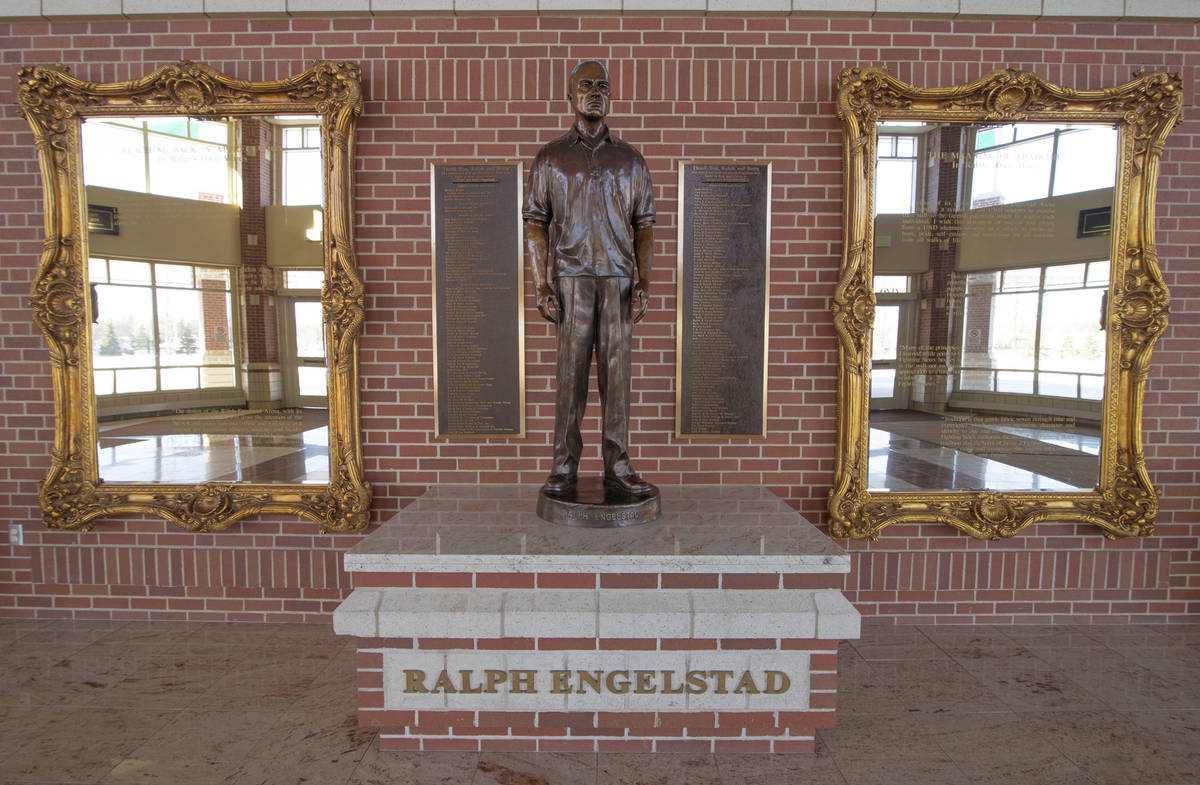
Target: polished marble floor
x,y
912,451
237,445
104,703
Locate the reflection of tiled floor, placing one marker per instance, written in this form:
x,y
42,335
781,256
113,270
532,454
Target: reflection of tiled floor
x,y
906,454
162,702
136,452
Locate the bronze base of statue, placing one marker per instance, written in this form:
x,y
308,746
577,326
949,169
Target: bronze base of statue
x,y
593,504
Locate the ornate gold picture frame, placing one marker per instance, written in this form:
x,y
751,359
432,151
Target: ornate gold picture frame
x,y
1124,501
55,103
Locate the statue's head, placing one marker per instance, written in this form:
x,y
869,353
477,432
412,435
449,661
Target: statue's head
x,y
588,90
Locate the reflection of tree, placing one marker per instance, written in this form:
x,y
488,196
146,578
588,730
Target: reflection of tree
x,y
109,345
187,338
141,340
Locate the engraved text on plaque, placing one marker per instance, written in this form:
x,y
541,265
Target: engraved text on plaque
x,y
723,291
478,325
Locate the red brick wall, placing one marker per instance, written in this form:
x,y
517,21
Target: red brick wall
x,y
465,88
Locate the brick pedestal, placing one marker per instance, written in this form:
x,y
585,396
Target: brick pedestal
x,y
480,627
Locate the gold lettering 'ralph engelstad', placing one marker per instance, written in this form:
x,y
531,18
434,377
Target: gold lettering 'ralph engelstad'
x,y
620,682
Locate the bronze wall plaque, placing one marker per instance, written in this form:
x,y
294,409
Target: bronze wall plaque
x,y
724,282
479,332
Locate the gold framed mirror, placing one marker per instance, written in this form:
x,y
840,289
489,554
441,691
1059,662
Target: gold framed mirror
x,y
998,300
199,295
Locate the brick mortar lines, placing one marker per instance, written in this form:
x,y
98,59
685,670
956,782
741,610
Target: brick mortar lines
x,y
1089,55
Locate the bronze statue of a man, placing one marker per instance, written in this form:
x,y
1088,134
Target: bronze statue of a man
x,y
589,217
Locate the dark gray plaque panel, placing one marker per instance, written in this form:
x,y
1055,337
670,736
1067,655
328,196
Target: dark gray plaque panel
x,y
479,367
723,281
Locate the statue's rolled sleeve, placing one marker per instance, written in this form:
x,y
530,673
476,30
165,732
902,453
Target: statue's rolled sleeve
x,y
643,210
537,200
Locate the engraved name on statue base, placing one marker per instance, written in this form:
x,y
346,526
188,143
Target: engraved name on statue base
x,y
592,504
480,626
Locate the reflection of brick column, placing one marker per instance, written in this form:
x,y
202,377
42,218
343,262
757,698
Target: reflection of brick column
x,y
940,288
260,350
214,316
216,342
977,331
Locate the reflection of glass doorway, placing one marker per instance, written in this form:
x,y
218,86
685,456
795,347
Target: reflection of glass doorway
x,y
305,371
889,390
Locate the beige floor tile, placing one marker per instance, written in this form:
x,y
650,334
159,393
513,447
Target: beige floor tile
x,y
303,747
768,769
966,653
1135,688
380,767
885,730
1046,634
328,697
1052,771
216,742
885,631
626,769
1132,634
161,682
154,633
914,761
937,688
1177,730
263,704
966,635
1113,749
57,634
495,768
1076,658
941,726
77,679
982,745
262,684
1180,633
1027,687
867,700
82,744
917,649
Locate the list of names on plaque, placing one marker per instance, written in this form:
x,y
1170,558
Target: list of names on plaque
x,y
477,276
723,298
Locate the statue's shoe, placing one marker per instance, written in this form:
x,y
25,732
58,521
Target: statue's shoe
x,y
631,484
559,484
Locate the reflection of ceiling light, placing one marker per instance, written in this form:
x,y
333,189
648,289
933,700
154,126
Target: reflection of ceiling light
x,y
314,232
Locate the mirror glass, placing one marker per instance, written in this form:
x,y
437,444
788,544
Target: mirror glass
x,y
991,273
205,267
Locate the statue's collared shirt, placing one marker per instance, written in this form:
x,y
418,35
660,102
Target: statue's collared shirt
x,y
593,199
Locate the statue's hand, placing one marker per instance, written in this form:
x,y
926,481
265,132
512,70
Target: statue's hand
x,y
547,303
641,300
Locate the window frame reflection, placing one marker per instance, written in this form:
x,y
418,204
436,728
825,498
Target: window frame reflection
x,y
106,374
872,102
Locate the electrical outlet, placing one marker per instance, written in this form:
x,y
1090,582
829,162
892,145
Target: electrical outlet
x,y
16,534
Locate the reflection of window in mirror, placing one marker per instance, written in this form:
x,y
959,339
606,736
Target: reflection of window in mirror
x,y
897,175
892,329
303,337
159,155
298,173
1022,162
1034,331
987,312
162,327
302,281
